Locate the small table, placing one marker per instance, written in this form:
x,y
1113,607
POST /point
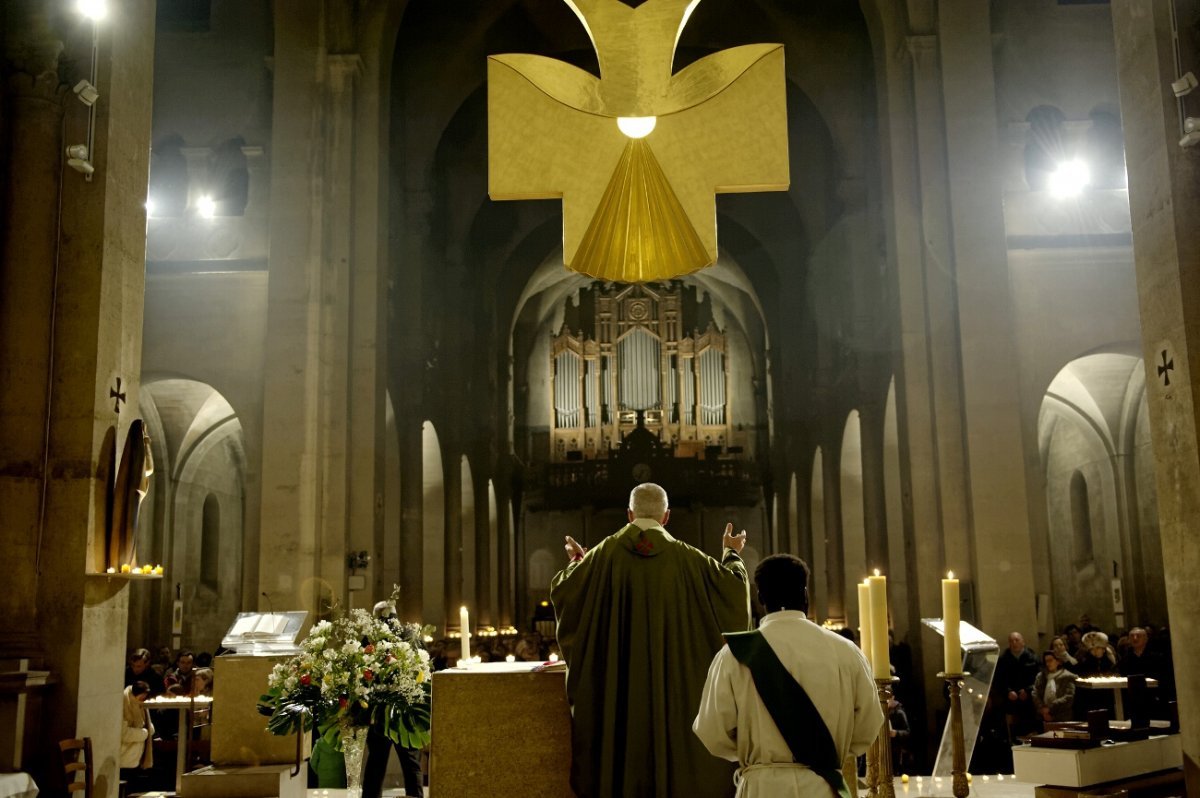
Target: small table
x,y
1117,683
17,785
185,705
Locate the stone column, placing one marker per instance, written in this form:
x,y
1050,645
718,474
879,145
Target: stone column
x,y
82,617
307,460
835,539
874,501
28,258
999,543
453,585
1164,203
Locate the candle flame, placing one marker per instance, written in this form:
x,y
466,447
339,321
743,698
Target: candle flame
x,y
877,572
462,609
949,574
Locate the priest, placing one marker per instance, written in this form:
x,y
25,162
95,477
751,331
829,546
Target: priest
x,y
639,617
790,701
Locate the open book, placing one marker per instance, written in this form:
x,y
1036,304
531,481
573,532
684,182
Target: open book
x,y
251,626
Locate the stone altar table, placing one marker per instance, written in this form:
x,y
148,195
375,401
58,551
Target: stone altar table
x,y
500,729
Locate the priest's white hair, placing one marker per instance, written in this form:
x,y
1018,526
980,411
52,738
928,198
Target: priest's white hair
x,y
648,501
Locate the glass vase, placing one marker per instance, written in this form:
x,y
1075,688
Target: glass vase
x,y
354,744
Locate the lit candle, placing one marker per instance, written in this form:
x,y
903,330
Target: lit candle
x,y
951,646
510,658
554,658
158,570
880,660
464,623
111,570
125,568
864,618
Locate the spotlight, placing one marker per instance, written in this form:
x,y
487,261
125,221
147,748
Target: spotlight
x,y
86,92
94,10
77,159
1069,179
207,207
637,127
1184,85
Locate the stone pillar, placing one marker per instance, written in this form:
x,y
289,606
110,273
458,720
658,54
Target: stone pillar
x,y
999,544
453,584
1164,203
97,320
308,461
28,251
874,500
835,539
483,553
412,500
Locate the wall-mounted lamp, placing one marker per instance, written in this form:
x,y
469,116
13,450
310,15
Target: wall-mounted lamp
x,y
358,560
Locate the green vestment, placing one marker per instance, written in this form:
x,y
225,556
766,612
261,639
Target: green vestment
x,y
640,618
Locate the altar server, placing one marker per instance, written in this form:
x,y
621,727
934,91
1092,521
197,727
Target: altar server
x,y
790,701
639,617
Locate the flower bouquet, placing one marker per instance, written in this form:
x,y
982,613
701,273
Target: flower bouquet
x,y
352,674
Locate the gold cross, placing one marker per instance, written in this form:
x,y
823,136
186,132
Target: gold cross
x,y
638,154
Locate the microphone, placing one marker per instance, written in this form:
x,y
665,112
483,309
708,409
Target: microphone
x,y
270,608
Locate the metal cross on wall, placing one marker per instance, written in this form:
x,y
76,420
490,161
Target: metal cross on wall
x,y
639,154
117,395
1165,368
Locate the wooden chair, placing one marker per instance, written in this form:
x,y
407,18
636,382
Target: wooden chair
x,y
76,759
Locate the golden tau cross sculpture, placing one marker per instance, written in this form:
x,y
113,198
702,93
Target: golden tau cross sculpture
x,y
638,154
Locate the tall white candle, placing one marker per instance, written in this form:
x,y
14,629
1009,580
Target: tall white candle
x,y
464,623
880,660
864,618
951,645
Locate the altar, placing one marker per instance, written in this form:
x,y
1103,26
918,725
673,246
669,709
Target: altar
x,y
500,729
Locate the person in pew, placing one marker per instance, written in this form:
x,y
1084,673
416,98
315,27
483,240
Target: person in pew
x,y
639,617
790,701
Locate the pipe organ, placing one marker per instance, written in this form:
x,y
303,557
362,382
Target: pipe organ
x,y
622,358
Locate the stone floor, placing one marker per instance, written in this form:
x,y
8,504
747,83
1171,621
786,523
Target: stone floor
x,y
925,787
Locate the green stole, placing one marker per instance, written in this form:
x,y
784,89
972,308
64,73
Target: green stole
x,y
798,721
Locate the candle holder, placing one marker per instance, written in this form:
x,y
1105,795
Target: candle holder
x,y
961,787
873,769
886,781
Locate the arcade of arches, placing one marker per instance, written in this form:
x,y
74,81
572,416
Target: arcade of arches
x,y
925,355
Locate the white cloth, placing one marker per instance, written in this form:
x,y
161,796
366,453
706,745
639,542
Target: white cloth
x,y
734,724
17,785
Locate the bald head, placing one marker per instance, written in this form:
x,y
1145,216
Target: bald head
x,y
648,501
1016,643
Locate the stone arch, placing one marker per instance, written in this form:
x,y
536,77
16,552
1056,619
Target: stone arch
x,y
198,518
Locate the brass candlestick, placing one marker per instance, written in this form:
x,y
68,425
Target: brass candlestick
x,y
887,782
873,769
958,771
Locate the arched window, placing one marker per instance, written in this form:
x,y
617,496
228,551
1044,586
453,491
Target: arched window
x,y
1044,149
168,194
1081,521
210,541
230,179
1106,151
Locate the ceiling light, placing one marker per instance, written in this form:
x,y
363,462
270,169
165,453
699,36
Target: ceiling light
x,y
636,127
1069,179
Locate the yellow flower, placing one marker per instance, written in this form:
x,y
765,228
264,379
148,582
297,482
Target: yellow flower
x,y
420,676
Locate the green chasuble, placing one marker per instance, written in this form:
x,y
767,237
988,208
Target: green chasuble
x,y
640,618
